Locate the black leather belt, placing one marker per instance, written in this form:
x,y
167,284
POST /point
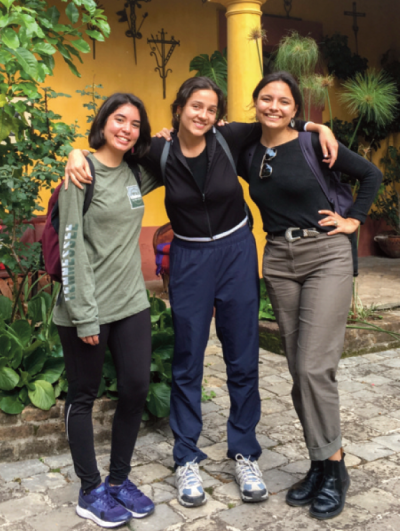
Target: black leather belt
x,y
293,234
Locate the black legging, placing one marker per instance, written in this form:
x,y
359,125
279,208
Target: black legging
x,y
129,341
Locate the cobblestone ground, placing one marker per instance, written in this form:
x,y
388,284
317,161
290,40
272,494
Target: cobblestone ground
x,y
40,495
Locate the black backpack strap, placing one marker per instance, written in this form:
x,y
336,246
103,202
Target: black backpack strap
x,y
135,169
305,141
164,157
225,147
89,188
228,153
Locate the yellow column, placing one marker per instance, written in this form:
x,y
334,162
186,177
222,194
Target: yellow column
x,y
243,59
243,75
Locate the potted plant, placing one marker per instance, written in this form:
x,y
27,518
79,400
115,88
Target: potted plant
x,y
387,204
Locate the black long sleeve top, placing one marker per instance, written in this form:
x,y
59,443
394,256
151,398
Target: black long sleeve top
x,y
292,196
219,206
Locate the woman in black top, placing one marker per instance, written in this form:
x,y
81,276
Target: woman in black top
x,y
307,268
213,263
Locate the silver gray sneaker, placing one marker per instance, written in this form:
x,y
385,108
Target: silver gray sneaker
x,y
249,478
189,485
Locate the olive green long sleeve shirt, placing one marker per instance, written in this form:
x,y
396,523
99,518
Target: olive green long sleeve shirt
x,y
102,281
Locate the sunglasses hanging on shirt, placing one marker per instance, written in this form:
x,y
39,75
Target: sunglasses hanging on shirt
x,y
265,168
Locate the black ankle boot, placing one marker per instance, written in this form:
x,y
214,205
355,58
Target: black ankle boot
x,y
330,499
306,490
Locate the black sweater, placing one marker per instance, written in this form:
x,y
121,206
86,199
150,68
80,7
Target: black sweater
x,y
217,208
292,196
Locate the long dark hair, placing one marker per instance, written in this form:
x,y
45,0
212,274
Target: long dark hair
x,y
96,137
186,90
290,82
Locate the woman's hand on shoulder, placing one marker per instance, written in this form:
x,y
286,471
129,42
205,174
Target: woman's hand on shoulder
x,y
165,133
77,169
91,340
328,142
344,225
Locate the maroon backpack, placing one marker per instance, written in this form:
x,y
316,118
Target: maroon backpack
x,y
50,240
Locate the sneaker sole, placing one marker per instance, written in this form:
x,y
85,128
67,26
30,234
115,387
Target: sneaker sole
x,y
139,515
196,503
248,499
84,513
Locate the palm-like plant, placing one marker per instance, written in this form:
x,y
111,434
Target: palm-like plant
x,y
214,67
373,96
299,56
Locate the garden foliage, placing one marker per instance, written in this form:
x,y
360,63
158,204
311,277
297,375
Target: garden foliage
x,y
32,368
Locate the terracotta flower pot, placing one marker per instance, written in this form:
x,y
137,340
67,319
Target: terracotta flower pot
x,y
389,242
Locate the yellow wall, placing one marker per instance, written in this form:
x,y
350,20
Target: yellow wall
x,y
196,26
191,22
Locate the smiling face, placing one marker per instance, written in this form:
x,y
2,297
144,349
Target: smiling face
x,y
275,105
199,113
122,128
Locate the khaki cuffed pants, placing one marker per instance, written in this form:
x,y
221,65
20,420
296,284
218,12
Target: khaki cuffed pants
x,y
309,283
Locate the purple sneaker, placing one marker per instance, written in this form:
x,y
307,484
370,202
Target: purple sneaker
x,y
130,497
101,507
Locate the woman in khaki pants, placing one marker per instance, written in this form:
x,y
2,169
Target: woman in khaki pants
x,y
308,271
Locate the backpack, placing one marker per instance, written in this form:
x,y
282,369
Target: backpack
x,y
223,143
338,194
50,237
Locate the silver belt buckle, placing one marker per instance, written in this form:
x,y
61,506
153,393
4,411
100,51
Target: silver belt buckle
x,y
288,234
307,233
310,233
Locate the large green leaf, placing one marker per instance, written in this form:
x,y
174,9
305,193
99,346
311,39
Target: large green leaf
x,y
162,339
7,3
10,38
52,370
109,367
22,331
158,399
27,61
53,15
8,379
81,45
5,308
44,48
164,352
72,13
10,348
6,125
157,306
214,67
42,394
11,405
35,361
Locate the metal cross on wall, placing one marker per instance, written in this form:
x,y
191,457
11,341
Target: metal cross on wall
x,y
287,5
131,18
162,56
355,15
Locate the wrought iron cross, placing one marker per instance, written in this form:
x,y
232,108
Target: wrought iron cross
x,y
131,18
163,55
355,15
287,5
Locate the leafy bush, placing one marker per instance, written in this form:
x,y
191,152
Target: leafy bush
x,y
387,203
339,59
31,358
266,313
32,368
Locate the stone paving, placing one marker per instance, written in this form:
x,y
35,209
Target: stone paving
x,y
40,495
379,281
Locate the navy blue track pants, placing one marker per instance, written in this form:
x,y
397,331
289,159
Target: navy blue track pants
x,y
203,275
